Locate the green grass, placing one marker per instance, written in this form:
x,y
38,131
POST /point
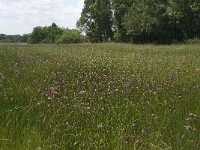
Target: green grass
x,y
103,96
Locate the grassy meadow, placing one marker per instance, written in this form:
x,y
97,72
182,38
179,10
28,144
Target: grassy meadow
x,y
101,97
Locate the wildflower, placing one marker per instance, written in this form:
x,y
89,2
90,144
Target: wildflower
x,y
100,126
133,125
17,72
53,91
82,92
192,117
145,131
39,103
138,142
50,98
127,139
190,128
116,90
38,148
88,108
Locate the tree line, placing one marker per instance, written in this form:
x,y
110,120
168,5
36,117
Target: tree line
x,y
13,38
140,21
52,34
136,21
55,34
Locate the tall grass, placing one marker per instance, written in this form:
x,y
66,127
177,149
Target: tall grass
x,y
103,96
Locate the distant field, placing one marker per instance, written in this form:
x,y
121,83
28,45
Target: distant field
x,y
103,96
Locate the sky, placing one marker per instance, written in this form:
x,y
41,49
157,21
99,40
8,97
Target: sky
x,y
21,16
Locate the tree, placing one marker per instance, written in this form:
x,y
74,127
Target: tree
x,y
96,20
120,9
70,36
2,37
37,36
54,32
140,18
87,19
47,34
24,38
187,13
14,38
162,21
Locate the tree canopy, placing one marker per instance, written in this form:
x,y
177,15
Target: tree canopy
x,y
54,34
96,20
157,21
136,21
14,38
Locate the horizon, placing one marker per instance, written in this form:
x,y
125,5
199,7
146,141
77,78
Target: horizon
x,y
18,20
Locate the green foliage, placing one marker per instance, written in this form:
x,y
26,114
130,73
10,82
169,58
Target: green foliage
x,y
143,21
163,21
137,21
96,20
140,18
187,12
70,36
120,9
37,36
99,97
48,34
14,38
54,34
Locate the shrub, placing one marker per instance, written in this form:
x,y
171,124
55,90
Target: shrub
x,y
70,36
48,34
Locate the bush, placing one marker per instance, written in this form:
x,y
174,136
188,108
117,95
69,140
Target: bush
x,y
71,36
48,34
55,34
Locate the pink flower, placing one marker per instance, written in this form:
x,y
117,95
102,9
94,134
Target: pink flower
x,y
82,93
53,91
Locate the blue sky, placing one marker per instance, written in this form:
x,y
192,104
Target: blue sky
x,y
20,16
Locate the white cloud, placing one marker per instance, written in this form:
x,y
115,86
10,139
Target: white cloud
x,y
21,16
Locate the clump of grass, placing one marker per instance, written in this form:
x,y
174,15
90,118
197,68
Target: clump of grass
x,y
103,96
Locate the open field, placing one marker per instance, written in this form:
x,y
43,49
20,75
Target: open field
x,y
103,96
